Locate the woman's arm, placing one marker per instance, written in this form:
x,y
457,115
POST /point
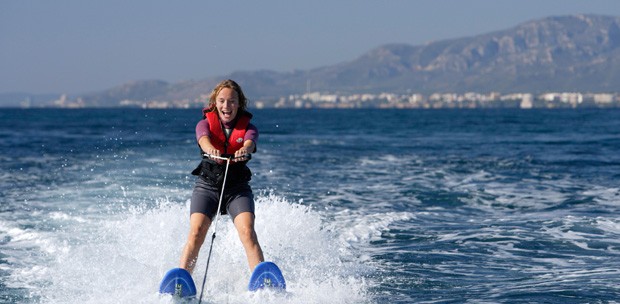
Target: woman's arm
x,y
205,145
248,147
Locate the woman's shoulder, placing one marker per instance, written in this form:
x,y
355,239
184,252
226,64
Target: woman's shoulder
x,y
202,122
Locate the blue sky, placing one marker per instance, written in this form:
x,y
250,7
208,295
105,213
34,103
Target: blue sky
x,y
77,46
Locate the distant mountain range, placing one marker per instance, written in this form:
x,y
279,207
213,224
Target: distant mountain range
x,y
567,53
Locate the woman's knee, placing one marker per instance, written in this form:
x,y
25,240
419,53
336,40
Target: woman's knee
x,y
244,223
197,233
198,229
247,234
248,231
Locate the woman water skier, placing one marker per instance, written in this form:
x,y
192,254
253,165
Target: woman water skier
x,y
225,130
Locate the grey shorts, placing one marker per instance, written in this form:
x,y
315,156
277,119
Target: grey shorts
x,y
237,199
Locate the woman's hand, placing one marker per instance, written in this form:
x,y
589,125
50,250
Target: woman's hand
x,y
207,148
212,151
243,152
241,155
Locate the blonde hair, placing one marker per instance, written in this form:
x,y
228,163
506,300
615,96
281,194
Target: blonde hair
x,y
230,84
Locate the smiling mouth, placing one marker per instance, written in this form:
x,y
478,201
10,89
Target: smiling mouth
x,y
227,115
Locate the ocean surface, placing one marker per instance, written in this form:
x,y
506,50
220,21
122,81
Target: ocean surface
x,y
355,206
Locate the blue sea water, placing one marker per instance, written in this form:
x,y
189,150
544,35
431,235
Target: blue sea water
x,y
355,206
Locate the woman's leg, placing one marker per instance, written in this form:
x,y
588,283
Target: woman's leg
x,y
198,226
244,222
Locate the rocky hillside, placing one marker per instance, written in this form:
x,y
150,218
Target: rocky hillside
x,y
568,53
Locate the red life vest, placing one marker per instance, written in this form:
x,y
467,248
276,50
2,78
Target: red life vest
x,y
232,143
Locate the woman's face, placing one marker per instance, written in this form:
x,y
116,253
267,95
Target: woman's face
x,y
227,104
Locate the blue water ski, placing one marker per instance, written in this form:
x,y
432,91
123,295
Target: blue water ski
x,y
267,275
178,282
